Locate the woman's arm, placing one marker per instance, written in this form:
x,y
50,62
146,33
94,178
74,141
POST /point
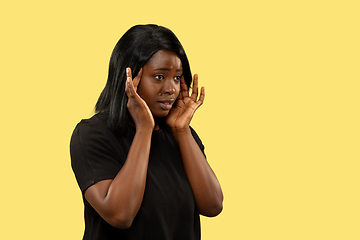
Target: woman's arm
x,y
118,200
203,181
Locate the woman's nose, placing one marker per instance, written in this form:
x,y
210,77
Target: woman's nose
x,y
169,87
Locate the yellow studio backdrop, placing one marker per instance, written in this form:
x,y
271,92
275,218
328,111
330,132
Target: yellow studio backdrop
x,y
280,122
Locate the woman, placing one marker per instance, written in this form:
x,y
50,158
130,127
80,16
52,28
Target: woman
x,y
140,166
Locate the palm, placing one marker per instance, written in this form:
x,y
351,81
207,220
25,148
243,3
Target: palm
x,y
185,106
139,110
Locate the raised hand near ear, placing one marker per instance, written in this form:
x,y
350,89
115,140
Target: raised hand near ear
x,y
138,108
204,184
185,106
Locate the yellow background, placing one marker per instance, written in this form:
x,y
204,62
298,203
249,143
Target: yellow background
x,y
280,121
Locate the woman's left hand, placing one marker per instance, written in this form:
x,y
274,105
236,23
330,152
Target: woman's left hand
x,y
204,184
185,106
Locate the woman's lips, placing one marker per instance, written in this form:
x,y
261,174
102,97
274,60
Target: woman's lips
x,y
166,105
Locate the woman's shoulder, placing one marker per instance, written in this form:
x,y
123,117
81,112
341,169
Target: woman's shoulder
x,y
96,130
96,122
98,119
92,127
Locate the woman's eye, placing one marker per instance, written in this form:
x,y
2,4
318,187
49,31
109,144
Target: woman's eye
x,y
177,78
159,77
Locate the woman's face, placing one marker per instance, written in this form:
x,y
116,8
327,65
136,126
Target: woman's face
x,y
160,82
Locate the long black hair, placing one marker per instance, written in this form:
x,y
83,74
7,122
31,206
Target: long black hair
x,y
134,49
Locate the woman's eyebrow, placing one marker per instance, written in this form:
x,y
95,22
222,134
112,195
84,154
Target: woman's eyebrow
x,y
168,69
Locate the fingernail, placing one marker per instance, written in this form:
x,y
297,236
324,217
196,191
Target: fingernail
x,y
127,71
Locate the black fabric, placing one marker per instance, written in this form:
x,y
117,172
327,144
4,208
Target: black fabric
x,y
168,210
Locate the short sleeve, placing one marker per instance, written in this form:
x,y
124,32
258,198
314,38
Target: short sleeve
x,y
198,140
94,156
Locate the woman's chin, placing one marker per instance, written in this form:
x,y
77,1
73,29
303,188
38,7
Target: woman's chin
x,y
160,115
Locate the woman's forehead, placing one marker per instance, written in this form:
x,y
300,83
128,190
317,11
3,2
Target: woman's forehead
x,y
164,59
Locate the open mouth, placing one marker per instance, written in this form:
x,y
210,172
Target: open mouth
x,y
166,105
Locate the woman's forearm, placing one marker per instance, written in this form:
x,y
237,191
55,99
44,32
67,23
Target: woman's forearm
x,y
203,181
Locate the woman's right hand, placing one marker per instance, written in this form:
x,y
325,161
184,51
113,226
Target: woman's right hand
x,y
138,108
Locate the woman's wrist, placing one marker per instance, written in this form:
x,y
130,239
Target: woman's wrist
x,y
180,132
144,130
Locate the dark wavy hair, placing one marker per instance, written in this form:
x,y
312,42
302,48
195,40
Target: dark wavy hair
x,y
134,49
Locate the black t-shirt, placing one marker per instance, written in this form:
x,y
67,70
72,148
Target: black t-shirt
x,y
168,210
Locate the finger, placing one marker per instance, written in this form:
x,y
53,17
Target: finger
x,y
130,89
202,97
127,88
128,73
195,88
128,83
184,91
137,79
